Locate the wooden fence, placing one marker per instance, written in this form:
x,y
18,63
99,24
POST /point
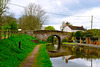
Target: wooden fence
x,y
7,33
88,40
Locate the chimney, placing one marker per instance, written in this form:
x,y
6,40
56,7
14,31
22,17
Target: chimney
x,y
66,23
82,26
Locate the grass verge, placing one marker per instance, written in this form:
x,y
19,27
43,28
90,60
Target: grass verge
x,y
11,55
69,43
42,59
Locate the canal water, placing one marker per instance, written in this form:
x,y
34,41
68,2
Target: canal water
x,y
71,56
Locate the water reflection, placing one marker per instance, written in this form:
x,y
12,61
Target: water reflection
x,y
68,57
72,56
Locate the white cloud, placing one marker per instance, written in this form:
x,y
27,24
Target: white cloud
x,y
82,19
61,7
16,9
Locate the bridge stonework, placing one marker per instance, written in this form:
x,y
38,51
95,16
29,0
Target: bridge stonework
x,y
44,34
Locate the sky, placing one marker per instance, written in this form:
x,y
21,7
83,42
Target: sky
x,y
77,12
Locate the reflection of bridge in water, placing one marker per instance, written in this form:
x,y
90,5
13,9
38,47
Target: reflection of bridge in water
x,y
82,52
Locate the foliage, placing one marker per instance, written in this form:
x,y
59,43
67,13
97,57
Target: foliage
x,y
65,40
49,28
50,39
13,25
42,59
89,33
93,32
8,18
10,54
8,22
69,23
33,17
79,34
73,34
6,26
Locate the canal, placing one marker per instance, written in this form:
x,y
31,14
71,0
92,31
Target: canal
x,y
72,56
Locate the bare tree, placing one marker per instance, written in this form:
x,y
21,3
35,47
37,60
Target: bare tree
x,y
63,26
33,17
3,7
8,18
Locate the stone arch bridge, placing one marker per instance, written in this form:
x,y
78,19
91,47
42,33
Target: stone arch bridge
x,y
44,34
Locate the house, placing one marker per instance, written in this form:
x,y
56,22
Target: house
x,y
70,28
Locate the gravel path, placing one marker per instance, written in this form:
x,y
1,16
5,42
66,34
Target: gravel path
x,y
29,61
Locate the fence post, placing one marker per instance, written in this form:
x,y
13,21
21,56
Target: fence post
x,y
80,40
4,34
20,45
0,34
14,32
8,33
86,40
11,32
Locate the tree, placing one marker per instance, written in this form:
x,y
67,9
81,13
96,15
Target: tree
x,y
7,21
3,7
49,28
8,18
69,23
63,26
13,25
79,34
33,17
89,33
6,26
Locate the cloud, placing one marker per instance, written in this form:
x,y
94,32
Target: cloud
x,y
70,8
81,19
16,9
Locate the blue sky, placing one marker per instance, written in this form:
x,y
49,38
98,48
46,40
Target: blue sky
x,y
70,8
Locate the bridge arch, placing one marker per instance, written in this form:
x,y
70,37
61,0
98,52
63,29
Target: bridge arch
x,y
59,40
43,34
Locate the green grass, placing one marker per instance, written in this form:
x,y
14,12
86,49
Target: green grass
x,y
11,55
42,59
69,43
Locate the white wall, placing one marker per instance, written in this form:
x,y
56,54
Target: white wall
x,y
76,30
67,29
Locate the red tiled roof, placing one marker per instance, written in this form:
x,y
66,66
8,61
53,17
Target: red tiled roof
x,y
76,27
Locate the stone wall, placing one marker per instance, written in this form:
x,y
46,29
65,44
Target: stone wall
x,y
44,34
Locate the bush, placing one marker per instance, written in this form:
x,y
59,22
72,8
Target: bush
x,y
65,40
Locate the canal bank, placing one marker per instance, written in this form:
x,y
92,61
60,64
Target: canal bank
x,y
72,55
83,45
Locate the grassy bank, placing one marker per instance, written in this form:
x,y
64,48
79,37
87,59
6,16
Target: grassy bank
x,y
69,43
10,54
42,59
